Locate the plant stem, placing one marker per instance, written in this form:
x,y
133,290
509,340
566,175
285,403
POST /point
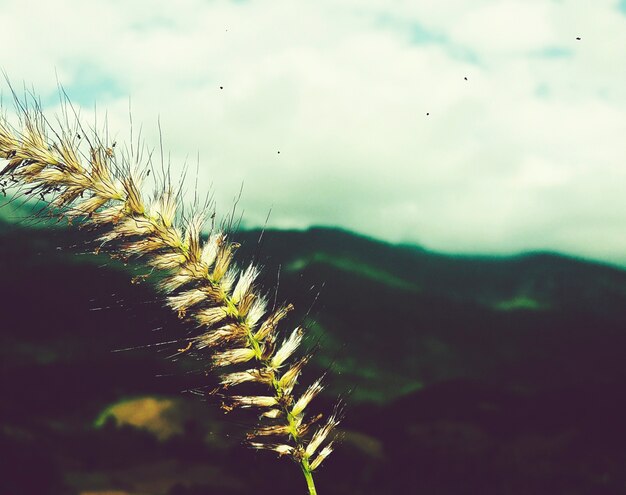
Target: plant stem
x,y
308,476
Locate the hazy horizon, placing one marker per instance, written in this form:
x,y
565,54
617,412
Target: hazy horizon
x,y
483,127
7,213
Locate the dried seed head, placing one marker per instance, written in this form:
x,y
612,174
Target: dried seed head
x,y
257,310
164,208
167,261
244,285
66,197
272,414
69,157
225,252
132,226
211,316
326,451
281,449
100,175
223,335
321,434
253,401
252,375
307,397
233,356
288,347
170,284
172,238
269,325
290,377
210,249
245,305
112,215
133,196
185,300
228,280
270,431
52,176
144,245
192,238
88,206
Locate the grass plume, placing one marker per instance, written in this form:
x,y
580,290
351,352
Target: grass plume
x,y
85,178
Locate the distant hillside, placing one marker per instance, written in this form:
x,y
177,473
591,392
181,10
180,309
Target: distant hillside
x,y
461,374
406,316
533,280
388,319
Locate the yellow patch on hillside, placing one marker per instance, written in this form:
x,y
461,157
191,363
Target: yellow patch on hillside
x,y
148,413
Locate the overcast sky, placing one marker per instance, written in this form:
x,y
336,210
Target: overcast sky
x,y
464,126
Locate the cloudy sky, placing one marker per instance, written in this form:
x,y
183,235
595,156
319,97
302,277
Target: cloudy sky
x,y
464,126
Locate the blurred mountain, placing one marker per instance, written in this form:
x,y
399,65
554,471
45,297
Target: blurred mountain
x,y
403,315
462,374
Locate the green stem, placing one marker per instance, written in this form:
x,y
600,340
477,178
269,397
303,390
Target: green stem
x,y
308,476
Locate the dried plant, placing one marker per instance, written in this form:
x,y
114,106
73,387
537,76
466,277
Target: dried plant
x,y
86,179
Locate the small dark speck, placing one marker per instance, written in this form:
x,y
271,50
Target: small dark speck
x,y
221,87
578,38
279,152
427,113
465,78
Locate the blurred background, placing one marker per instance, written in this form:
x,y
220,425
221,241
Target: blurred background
x,y
447,214
460,374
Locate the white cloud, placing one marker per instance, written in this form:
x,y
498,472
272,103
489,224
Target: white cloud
x,y
526,153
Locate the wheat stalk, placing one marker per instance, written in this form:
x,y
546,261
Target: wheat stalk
x,y
90,181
